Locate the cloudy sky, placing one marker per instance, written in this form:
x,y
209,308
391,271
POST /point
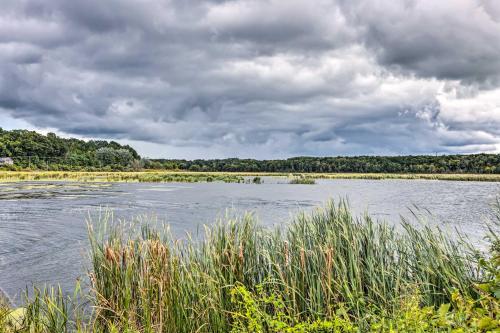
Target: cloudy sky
x,y
256,78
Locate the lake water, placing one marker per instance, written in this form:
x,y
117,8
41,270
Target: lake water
x,y
43,225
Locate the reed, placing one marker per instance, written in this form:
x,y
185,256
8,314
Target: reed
x,y
317,263
321,264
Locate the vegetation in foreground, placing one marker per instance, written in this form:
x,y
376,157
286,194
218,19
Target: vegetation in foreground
x,y
325,272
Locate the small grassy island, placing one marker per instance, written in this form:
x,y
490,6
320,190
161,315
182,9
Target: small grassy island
x,y
326,272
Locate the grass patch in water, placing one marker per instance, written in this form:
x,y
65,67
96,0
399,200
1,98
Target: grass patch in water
x,y
302,179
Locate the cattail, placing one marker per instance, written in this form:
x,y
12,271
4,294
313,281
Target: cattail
x,y
110,254
329,258
302,258
287,254
241,253
329,264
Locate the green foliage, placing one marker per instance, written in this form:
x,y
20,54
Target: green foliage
x,y
301,179
32,150
262,313
461,315
257,180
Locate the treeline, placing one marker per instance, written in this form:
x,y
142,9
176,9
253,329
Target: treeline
x,y
29,149
477,163
32,150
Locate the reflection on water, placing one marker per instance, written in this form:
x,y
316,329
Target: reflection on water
x,y
43,233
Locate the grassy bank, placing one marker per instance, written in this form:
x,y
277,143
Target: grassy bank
x,y
325,272
150,176
233,177
444,176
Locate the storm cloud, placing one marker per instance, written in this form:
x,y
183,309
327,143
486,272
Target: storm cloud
x,y
257,78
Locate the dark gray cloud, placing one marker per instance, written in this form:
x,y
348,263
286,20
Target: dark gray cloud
x,y
259,78
458,40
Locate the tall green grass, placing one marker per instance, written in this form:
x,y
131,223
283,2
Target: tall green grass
x,y
143,280
317,263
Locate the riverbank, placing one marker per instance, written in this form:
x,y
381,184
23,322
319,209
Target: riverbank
x,y
146,176
328,271
229,177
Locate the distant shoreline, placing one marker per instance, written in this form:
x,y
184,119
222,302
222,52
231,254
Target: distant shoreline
x,y
229,177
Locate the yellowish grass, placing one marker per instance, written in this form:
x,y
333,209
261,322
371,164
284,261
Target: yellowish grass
x,y
188,176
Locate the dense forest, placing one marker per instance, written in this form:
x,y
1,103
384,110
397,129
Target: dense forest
x,y
29,149
477,163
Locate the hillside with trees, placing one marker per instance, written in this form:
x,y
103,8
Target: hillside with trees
x,y
29,149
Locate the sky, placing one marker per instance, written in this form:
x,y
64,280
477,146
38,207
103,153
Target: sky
x,y
256,78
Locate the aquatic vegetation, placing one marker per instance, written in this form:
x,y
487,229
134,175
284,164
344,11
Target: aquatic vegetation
x,y
328,271
257,180
152,177
424,176
228,177
302,179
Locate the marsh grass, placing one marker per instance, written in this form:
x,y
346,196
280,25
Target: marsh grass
x,y
302,179
410,176
143,280
228,177
317,263
150,177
